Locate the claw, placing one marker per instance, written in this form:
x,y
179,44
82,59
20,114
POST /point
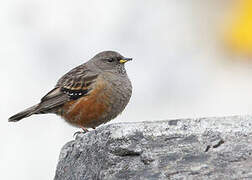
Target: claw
x,y
77,133
85,130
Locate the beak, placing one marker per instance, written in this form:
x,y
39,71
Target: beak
x,y
124,60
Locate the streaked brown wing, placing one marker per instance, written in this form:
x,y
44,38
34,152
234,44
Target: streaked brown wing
x,y
77,82
73,85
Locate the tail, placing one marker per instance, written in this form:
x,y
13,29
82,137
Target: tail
x,y
26,113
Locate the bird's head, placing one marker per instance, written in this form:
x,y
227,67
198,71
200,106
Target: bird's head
x,y
110,61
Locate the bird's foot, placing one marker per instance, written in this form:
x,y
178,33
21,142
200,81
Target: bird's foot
x,y
85,130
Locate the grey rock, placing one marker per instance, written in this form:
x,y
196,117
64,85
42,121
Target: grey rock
x,y
204,148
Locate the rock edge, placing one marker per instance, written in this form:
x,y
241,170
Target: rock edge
x,y
203,148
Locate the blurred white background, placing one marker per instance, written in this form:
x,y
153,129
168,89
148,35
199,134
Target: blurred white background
x,y
181,68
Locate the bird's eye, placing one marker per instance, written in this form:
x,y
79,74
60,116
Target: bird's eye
x,y
110,60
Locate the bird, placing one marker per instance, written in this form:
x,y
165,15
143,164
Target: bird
x,y
89,95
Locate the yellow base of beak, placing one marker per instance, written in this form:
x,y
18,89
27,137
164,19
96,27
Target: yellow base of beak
x,y
122,61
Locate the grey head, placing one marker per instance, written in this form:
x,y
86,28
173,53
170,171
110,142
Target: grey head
x,y
110,61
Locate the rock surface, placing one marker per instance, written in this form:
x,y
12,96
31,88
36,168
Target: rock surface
x,y
204,148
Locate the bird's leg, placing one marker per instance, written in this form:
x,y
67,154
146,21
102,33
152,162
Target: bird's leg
x,y
85,130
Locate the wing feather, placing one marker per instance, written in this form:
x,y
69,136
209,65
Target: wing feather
x,y
73,85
